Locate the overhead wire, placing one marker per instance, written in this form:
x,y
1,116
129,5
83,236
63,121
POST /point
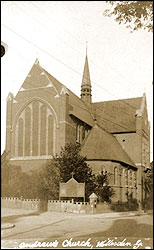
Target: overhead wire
x,y
76,72
85,109
99,86
59,36
49,54
97,66
76,39
46,27
74,50
101,118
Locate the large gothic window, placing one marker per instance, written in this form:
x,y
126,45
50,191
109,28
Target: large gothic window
x,y
35,131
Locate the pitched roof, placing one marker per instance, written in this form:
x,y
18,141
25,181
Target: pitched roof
x,y
40,78
118,115
100,145
77,106
79,109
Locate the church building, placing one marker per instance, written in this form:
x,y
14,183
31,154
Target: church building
x,y
114,135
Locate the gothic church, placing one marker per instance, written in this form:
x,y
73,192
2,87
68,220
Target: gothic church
x,y
114,135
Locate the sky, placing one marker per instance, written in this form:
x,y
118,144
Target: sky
x,y
56,32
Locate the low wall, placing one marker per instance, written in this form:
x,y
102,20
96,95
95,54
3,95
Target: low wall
x,y
67,206
54,206
77,207
30,204
11,202
34,204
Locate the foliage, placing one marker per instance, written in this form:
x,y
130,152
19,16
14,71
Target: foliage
x,y
130,205
10,177
103,189
49,178
135,14
125,206
148,201
70,161
44,184
15,182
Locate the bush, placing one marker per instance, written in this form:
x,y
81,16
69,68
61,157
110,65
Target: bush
x,y
147,204
103,190
131,205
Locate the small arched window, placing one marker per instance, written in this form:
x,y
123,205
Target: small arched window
x,y
126,177
104,170
135,179
123,177
115,176
130,178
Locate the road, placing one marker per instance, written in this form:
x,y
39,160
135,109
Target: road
x,y
32,226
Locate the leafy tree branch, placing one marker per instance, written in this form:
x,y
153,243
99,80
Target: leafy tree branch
x,y
135,14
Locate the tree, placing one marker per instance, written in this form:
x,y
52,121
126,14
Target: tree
x,y
70,161
16,183
135,14
103,189
48,179
10,177
148,201
4,174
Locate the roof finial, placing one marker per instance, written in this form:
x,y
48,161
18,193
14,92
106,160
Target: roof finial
x,y
36,61
72,173
86,47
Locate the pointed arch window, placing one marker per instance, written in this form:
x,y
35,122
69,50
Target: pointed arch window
x,y
27,131
135,179
115,176
43,113
126,177
35,128
35,131
20,137
130,178
50,134
123,177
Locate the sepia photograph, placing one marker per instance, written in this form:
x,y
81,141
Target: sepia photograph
x,y
77,124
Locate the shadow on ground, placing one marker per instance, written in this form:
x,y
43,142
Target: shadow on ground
x,y
13,218
125,228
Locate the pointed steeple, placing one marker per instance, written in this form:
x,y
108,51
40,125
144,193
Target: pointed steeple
x,y
86,83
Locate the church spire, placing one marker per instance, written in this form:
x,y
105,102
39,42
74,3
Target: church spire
x,y
86,83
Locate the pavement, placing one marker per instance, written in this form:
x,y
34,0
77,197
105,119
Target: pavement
x,y
10,212
30,225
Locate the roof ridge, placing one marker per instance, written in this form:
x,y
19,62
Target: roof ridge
x,y
118,100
